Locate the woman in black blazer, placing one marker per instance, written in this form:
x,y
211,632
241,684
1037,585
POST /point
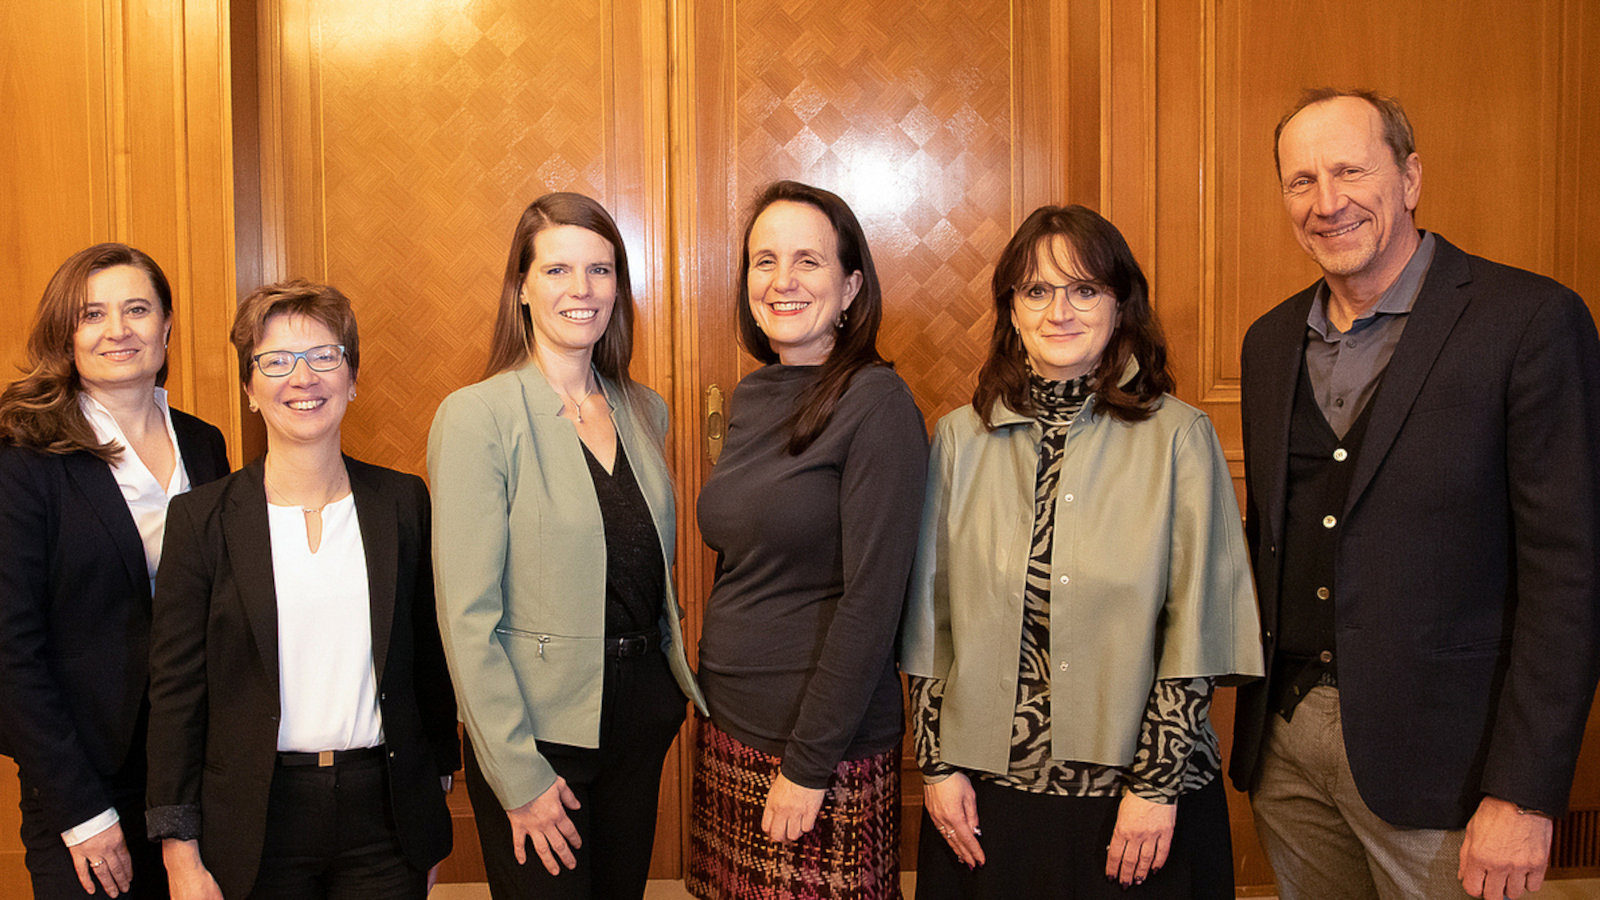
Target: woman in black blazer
x,y
89,455
302,724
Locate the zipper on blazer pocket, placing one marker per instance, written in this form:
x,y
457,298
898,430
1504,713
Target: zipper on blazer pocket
x,y
518,632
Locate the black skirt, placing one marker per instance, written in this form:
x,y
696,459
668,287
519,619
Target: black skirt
x,y
1044,845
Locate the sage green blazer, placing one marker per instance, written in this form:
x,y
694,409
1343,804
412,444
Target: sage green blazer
x,y
1149,577
519,560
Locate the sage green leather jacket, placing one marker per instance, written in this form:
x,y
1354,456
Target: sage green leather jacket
x,y
1149,577
519,562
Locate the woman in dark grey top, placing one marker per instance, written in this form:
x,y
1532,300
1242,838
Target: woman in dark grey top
x,y
813,511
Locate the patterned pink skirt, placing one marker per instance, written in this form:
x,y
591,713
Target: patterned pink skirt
x,y
853,852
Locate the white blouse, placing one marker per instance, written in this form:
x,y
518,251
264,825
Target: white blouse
x,y
146,497
328,692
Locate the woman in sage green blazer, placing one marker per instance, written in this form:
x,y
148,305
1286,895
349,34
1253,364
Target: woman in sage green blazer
x,y
1081,586
553,547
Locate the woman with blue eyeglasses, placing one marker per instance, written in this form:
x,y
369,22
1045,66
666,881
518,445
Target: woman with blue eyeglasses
x,y
302,724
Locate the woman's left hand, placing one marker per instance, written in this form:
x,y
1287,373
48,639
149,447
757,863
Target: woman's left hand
x,y
791,809
1141,840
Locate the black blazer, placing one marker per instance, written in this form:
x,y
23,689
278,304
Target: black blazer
x,y
214,670
1467,600
75,619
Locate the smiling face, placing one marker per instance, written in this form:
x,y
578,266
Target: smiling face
x,y
570,289
1350,203
305,406
796,283
121,338
1061,342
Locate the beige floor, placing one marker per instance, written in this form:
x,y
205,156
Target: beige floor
x,y
1574,889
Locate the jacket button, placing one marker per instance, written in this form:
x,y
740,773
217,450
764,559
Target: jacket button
x,y
1326,656
1341,454
1322,593
1329,521
1065,579
1063,665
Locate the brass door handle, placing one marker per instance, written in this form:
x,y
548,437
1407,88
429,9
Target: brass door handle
x,y
716,422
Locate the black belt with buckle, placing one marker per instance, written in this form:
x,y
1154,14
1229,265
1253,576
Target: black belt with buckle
x,y
325,758
628,646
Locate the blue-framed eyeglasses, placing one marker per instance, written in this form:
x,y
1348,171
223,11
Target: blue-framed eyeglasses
x,y
278,363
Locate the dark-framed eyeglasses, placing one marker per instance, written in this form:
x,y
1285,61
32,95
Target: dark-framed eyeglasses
x,y
278,363
1038,295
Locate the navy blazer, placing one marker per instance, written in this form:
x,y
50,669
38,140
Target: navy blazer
x,y
214,669
1467,569
75,619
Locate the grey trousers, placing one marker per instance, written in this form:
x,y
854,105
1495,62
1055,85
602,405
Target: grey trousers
x,y
1320,837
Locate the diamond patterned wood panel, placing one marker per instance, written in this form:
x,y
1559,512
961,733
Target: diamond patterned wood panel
x,y
439,126
903,109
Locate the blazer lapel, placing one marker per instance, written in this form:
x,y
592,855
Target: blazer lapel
x,y
249,541
1439,304
1272,409
197,459
93,477
380,542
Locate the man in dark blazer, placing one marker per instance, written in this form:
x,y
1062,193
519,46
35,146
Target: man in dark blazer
x,y
1422,432
74,644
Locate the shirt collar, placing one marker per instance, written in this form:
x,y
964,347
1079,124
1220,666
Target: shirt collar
x,y
105,425
1396,301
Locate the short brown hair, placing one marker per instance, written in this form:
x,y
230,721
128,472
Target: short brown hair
x,y
1396,127
322,303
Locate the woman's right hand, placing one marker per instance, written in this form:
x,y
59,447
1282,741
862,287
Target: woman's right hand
x,y
544,819
953,807
187,876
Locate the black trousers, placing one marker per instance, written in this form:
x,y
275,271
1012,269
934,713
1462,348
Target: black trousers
x,y
617,784
1038,845
330,834
50,864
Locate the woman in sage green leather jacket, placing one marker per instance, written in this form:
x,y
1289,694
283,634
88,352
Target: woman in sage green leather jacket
x,y
1076,505
553,547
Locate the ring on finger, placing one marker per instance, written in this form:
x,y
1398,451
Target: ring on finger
x,y
96,863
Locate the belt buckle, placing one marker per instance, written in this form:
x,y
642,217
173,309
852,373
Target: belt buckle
x,y
324,758
634,645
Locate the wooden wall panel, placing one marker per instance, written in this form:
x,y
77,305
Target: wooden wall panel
x,y
54,169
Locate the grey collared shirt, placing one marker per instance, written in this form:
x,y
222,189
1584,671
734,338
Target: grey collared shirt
x,y
1346,366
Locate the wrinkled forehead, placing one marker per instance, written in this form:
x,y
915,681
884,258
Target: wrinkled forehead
x,y
1338,130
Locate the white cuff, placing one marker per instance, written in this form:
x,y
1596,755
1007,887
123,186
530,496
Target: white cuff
x,y
72,837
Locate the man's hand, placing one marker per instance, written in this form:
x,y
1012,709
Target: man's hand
x,y
1505,852
791,809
